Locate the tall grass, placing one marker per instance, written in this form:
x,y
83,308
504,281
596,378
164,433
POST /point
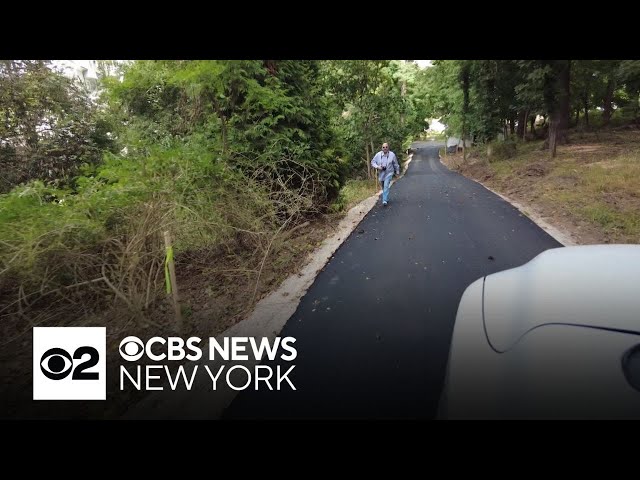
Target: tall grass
x,y
66,255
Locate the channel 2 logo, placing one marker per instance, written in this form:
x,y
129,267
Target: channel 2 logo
x,y
69,363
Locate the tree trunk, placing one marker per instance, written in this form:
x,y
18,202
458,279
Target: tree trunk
x,y
522,121
512,125
608,107
585,102
403,93
374,173
367,161
466,80
577,116
533,125
564,104
553,135
464,145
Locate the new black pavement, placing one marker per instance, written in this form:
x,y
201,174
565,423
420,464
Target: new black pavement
x,y
373,331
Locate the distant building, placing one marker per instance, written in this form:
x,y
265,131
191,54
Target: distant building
x,y
435,125
85,71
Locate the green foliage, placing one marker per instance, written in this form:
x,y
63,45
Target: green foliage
x,y
502,91
445,95
493,91
50,126
353,192
373,101
35,220
254,113
223,154
116,214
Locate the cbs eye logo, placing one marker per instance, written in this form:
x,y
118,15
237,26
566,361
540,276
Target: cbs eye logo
x,y
57,364
131,348
69,363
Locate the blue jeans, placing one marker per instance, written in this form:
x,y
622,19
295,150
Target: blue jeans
x,y
385,188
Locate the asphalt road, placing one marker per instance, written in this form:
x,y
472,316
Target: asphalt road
x,y
373,332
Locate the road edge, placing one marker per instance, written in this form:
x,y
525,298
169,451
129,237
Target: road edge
x,y
565,239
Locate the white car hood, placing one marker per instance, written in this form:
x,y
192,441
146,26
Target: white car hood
x,y
589,286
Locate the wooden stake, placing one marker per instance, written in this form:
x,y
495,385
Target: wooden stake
x,y
174,283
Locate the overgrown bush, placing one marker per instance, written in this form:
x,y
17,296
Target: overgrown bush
x,y
501,150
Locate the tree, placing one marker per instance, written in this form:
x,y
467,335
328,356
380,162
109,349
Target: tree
x,y
464,82
248,113
50,125
629,76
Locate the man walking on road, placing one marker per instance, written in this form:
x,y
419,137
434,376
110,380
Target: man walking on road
x,y
386,163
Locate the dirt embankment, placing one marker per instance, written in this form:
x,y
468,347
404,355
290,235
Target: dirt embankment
x,y
589,193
